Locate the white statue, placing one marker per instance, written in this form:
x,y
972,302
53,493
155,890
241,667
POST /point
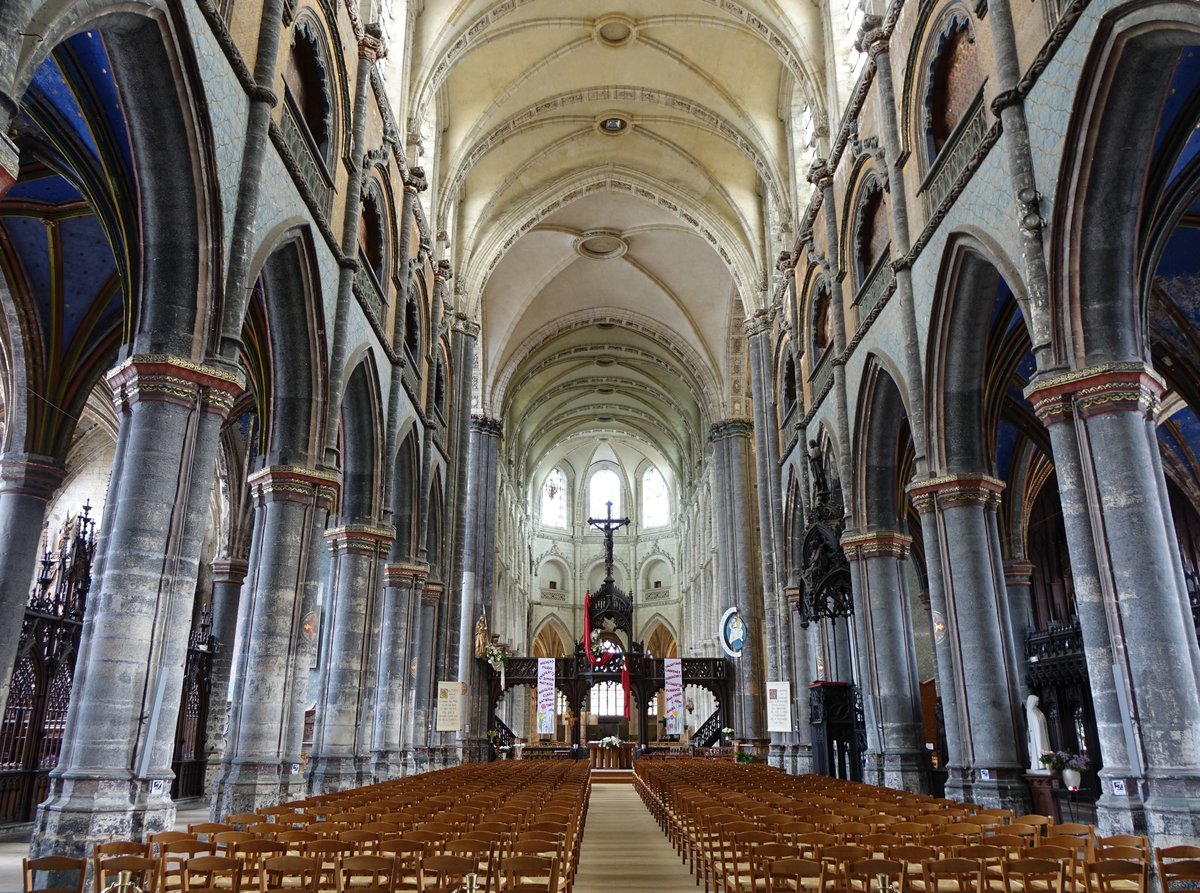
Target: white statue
x,y
1039,734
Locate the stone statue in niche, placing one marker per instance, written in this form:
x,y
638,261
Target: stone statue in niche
x,y
1039,734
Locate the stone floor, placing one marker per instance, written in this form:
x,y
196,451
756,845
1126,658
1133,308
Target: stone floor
x,y
13,851
624,849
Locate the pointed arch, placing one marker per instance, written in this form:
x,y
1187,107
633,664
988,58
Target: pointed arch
x,y
551,639
360,445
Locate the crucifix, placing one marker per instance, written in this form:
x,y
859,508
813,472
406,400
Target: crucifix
x,y
609,525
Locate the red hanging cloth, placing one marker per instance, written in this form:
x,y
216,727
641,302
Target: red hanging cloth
x,y
625,687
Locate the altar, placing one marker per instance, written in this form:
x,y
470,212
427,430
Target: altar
x,y
617,757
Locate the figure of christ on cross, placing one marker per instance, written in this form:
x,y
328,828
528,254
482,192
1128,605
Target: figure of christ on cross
x,y
609,525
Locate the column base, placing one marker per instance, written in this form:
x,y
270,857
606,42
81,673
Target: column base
x,y
332,774
81,812
1119,813
246,787
386,765
1172,811
1005,789
907,771
474,750
293,785
958,784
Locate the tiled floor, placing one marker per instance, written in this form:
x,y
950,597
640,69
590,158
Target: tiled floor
x,y
13,851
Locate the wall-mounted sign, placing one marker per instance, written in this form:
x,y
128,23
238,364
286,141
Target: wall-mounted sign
x,y
779,706
449,705
733,632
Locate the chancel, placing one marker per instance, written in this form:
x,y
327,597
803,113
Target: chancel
x,y
423,421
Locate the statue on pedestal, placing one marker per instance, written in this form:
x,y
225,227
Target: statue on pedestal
x,y
1039,734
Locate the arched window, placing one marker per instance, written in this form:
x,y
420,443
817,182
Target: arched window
x,y
603,488
789,383
307,82
412,324
873,235
439,389
656,500
554,499
954,81
822,328
371,235
607,699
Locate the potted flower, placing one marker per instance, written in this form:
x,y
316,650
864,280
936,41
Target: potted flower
x,y
726,733
1071,765
610,742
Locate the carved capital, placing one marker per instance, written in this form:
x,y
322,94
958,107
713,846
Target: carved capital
x,y
1018,573
371,48
432,593
286,483
415,183
230,571
1113,387
359,539
401,575
877,544
31,475
176,380
759,323
731,428
442,272
872,39
487,425
820,174
955,490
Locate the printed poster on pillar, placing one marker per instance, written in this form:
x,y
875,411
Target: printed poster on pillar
x,y
545,696
673,676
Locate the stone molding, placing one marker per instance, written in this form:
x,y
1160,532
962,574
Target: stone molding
x,y
1112,387
487,425
877,544
953,490
1018,573
432,593
156,378
400,575
29,474
359,539
286,483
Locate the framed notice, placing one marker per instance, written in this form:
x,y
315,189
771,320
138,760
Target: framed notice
x,y
779,706
449,705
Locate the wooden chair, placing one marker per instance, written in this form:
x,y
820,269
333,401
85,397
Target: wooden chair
x,y
328,853
226,840
863,877
143,870
529,874
1178,864
211,874
407,854
240,820
443,874
55,867
289,874
296,841
1116,876
1033,876
991,863
958,875
795,876
366,874
1040,822
481,852
205,830
837,859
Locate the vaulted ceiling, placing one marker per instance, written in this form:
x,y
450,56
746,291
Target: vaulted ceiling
x,y
612,181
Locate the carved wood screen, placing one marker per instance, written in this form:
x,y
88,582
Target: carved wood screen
x,y
31,729
189,760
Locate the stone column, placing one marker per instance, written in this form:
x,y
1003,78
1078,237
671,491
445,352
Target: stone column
x,y
419,731
356,549
14,18
402,588
26,484
290,504
478,556
888,664
228,575
801,675
1136,621
1018,583
731,478
977,655
770,520
113,776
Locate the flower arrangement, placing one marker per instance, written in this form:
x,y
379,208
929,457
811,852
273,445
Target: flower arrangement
x,y
494,654
1057,760
493,734
610,741
727,731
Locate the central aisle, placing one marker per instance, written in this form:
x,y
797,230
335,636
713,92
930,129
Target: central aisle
x,y
624,850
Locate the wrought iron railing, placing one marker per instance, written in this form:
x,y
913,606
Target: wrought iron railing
x,y
505,737
879,281
369,292
308,158
709,732
822,376
956,155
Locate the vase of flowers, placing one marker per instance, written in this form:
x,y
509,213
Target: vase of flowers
x,y
726,734
1071,765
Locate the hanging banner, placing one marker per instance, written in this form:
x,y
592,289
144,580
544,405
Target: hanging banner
x,y
545,696
673,674
779,707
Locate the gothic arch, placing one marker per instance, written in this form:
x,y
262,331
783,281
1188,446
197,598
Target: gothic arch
x,y
552,639
406,496
1099,278
659,637
360,445
883,445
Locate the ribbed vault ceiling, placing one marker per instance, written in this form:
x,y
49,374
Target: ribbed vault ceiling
x,y
612,162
